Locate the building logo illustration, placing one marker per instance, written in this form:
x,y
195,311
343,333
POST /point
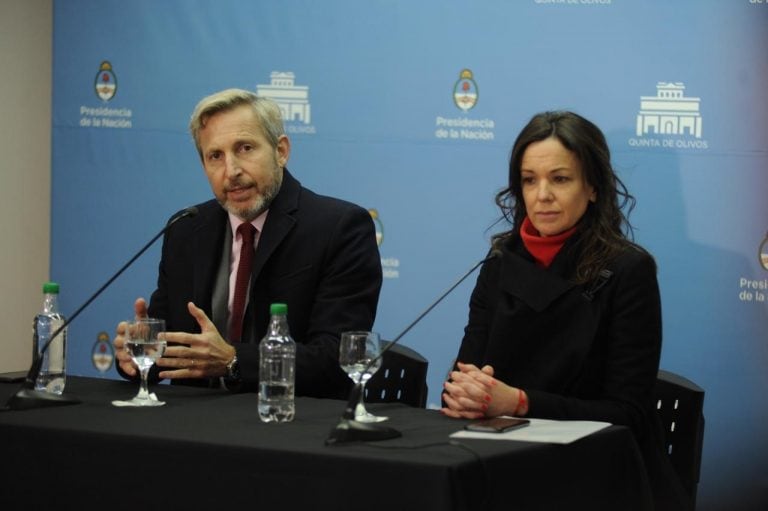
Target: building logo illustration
x,y
669,112
292,99
763,253
378,225
465,93
103,354
106,82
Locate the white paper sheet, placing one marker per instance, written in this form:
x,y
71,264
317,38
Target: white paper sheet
x,y
542,430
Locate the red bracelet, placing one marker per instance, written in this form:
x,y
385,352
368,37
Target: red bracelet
x,y
522,404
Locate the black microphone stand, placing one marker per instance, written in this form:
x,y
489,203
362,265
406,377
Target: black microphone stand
x,y
350,430
27,397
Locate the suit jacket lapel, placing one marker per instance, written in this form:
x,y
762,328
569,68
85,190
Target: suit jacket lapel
x,y
531,284
536,286
280,221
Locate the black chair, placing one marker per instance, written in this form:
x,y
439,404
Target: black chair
x,y
402,378
680,404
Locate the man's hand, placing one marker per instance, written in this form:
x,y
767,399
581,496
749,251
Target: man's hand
x,y
200,355
123,357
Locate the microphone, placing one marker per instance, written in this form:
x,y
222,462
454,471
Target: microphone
x,y
350,430
27,398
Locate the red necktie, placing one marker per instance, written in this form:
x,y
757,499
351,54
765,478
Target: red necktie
x,y
246,231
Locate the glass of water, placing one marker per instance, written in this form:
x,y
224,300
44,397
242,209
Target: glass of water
x,y
359,357
145,342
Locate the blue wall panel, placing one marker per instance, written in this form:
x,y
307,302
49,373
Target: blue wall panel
x,y
380,78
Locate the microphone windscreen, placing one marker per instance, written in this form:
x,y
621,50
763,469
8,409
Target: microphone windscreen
x,y
186,212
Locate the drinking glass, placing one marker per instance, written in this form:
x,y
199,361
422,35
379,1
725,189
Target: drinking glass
x,y
145,342
359,357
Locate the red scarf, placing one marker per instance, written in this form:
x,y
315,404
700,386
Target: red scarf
x,y
543,248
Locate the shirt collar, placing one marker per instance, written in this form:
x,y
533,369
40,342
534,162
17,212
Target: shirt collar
x,y
258,222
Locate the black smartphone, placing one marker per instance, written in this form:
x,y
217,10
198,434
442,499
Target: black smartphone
x,y
497,425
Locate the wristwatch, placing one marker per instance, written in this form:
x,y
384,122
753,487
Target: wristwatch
x,y
233,370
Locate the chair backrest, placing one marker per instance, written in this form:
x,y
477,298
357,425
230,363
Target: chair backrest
x,y
401,378
680,405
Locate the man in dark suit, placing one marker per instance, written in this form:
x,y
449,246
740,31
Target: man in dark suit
x,y
316,254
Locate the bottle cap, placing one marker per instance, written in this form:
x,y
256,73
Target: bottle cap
x,y
51,288
278,308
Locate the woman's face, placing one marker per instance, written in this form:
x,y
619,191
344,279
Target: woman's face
x,y
555,190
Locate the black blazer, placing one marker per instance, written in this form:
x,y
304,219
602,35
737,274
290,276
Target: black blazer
x,y
316,254
580,352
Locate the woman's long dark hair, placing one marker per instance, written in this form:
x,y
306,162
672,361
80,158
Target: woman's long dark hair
x,y
605,228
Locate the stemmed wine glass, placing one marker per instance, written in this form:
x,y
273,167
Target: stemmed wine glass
x,y
359,357
145,342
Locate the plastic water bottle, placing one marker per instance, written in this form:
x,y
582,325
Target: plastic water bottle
x,y
277,369
53,369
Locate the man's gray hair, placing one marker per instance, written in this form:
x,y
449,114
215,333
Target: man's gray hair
x,y
267,112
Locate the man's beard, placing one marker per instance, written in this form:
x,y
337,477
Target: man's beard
x,y
262,202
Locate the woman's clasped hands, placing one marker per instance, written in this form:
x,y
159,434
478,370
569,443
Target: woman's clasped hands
x,y
472,393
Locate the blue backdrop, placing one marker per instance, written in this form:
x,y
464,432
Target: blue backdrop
x,y
409,109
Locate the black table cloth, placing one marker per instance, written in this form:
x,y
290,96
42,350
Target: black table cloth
x,y
208,448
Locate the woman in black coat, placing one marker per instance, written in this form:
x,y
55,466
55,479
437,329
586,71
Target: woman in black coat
x,y
565,321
